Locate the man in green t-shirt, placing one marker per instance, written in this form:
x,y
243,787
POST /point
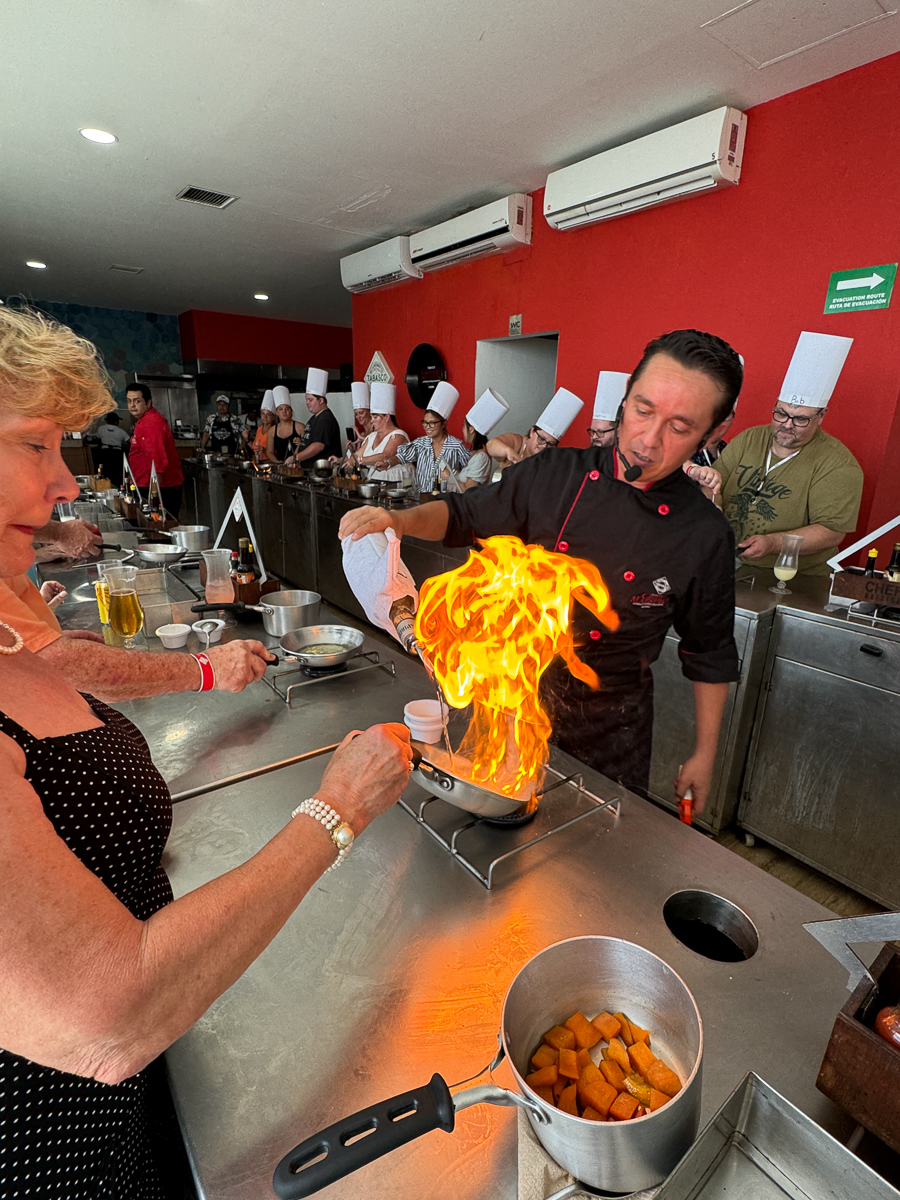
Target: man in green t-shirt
x,y
791,476
784,478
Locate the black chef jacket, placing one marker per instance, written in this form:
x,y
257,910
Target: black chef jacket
x,y
667,557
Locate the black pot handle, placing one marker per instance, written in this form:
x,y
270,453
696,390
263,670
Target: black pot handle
x,y
385,1126
236,606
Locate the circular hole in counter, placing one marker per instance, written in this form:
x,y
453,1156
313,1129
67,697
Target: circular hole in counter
x,y
711,925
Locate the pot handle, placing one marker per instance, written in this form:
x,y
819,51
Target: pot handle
x,y
232,606
490,1093
371,1133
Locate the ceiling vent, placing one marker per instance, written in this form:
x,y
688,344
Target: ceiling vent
x,y
195,195
126,270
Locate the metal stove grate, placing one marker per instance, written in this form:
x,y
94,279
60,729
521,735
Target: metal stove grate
x,y
563,803
367,660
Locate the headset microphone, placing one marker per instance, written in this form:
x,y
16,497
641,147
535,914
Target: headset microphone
x,y
632,470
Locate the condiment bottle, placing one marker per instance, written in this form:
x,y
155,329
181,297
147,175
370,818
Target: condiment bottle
x,y
870,563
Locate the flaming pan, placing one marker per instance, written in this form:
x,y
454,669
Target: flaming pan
x,y
434,771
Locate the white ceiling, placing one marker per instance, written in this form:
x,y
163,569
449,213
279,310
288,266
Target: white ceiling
x,y
342,123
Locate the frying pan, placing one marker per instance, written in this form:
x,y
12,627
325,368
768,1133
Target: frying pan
x,y
159,553
432,770
300,640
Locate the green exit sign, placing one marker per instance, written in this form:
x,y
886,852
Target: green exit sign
x,y
866,287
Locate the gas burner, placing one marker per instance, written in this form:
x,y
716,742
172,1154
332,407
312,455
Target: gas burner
x,y
280,683
319,672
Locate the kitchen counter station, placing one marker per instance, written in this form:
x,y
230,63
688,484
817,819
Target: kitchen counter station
x,y
397,965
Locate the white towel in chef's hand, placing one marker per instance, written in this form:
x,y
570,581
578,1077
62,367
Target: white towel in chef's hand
x,y
378,576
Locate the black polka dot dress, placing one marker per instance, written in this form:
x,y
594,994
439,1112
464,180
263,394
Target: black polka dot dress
x,y
63,1137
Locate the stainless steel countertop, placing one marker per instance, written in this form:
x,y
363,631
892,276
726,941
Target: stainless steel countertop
x,y
397,965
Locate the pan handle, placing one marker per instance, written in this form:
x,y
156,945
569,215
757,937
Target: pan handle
x,y
372,1132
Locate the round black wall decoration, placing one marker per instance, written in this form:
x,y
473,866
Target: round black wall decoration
x,y
424,372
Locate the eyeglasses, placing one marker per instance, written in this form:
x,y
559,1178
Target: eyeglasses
x,y
544,442
432,424
782,418
597,435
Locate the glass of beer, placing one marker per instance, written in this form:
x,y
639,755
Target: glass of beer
x,y
126,617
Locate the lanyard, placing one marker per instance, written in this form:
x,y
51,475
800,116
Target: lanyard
x,y
770,468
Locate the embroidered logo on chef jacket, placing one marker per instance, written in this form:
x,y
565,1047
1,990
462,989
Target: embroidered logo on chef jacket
x,y
662,585
649,600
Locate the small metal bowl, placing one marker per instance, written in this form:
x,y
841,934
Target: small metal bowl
x,y
369,491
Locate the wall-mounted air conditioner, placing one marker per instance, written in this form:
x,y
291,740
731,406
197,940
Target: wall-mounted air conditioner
x,y
698,155
378,266
488,230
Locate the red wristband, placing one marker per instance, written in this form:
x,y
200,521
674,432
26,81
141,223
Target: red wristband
x,y
207,673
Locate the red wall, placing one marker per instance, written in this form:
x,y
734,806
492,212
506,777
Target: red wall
x,y
231,338
819,193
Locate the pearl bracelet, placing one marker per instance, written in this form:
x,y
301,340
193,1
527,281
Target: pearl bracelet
x,y
338,829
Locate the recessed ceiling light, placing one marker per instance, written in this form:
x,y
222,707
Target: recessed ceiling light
x,y
38,266
260,296
98,135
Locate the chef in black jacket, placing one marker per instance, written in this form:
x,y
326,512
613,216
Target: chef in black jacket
x,y
665,553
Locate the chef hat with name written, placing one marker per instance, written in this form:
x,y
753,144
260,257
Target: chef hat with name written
x,y
814,369
359,392
488,409
443,399
560,413
610,393
268,403
383,399
317,382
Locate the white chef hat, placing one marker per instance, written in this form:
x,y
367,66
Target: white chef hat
x,y
814,369
384,398
560,413
443,399
359,391
281,395
317,382
610,393
488,409
269,401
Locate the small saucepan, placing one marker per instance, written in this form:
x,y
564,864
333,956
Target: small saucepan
x,y
282,612
192,537
322,645
369,491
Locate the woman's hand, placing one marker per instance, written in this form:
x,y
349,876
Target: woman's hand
x,y
53,593
238,663
367,773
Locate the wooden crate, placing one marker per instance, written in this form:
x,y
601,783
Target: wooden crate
x,y
861,1071
873,589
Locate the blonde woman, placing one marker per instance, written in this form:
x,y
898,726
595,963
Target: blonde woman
x,y
102,969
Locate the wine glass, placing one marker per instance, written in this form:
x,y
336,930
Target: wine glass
x,y
787,563
126,617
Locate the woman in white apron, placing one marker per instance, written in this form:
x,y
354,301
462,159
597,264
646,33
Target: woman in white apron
x,y
385,437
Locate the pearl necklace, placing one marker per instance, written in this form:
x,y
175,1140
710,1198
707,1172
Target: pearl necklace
x,y
18,642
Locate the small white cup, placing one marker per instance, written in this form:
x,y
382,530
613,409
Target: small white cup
x,y
214,634
173,637
423,719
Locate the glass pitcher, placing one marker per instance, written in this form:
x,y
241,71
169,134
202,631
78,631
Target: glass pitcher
x,y
787,563
219,584
126,617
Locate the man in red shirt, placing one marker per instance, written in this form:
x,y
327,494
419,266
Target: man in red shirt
x,y
152,442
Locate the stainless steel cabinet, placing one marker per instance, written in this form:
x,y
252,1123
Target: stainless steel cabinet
x,y
269,500
674,729
822,781
333,584
300,563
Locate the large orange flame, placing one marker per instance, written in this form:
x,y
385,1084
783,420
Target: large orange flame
x,y
490,629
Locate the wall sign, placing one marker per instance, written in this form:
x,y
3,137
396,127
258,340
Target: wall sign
x,y
515,325
424,372
379,371
866,287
